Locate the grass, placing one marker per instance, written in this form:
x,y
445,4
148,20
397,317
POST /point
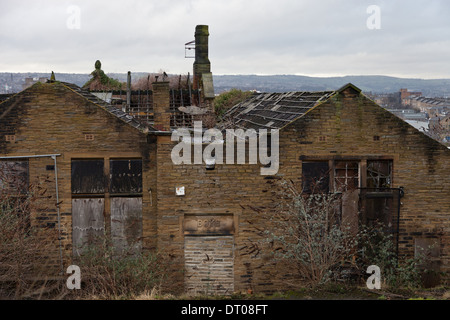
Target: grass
x,y
330,291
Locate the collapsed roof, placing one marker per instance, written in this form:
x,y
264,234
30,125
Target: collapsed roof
x,y
276,110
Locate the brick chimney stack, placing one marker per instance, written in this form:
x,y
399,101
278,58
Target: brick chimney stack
x,y
202,63
202,79
161,105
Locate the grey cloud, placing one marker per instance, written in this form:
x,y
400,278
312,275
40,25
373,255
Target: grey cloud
x,y
251,36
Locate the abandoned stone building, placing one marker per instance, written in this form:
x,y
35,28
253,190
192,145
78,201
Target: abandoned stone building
x,y
109,173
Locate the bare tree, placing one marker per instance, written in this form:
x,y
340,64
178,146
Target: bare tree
x,y
26,249
305,233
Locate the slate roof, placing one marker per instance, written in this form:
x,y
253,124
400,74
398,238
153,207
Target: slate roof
x,y
274,110
7,105
125,117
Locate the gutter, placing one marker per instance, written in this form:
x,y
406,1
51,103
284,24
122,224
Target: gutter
x,y
160,133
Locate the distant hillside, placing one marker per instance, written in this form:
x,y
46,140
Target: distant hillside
x,y
374,84
276,83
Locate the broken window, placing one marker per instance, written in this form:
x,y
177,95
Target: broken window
x,y
379,173
346,175
126,176
316,177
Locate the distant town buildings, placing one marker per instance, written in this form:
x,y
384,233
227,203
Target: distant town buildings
x,y
427,114
404,93
30,81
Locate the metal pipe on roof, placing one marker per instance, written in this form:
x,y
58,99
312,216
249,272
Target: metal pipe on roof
x,y
129,89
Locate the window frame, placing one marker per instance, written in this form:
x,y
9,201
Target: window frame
x,y
363,162
346,177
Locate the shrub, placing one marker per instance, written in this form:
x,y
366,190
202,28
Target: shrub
x,y
378,248
27,251
107,274
305,235
224,101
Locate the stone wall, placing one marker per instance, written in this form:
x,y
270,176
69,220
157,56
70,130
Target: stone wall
x,y
348,126
52,119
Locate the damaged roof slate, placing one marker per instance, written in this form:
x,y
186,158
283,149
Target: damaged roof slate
x,y
109,108
274,110
7,105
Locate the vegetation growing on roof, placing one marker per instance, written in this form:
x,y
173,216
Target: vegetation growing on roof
x,y
100,81
228,99
176,82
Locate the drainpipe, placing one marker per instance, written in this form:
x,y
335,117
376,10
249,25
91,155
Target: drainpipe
x,y
53,156
58,214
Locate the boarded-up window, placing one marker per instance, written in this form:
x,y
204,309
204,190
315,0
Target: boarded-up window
x,y
346,175
88,223
126,204
14,176
316,177
14,190
89,188
88,177
379,174
126,176
126,224
88,203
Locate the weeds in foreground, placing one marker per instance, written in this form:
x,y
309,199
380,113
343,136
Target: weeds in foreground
x,y
108,274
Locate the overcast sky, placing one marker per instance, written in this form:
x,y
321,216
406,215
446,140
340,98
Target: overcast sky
x,y
303,37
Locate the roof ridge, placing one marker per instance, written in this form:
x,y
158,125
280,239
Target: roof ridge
x,y
121,115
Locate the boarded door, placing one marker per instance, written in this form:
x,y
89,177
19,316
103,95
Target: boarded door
x,y
209,264
209,254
